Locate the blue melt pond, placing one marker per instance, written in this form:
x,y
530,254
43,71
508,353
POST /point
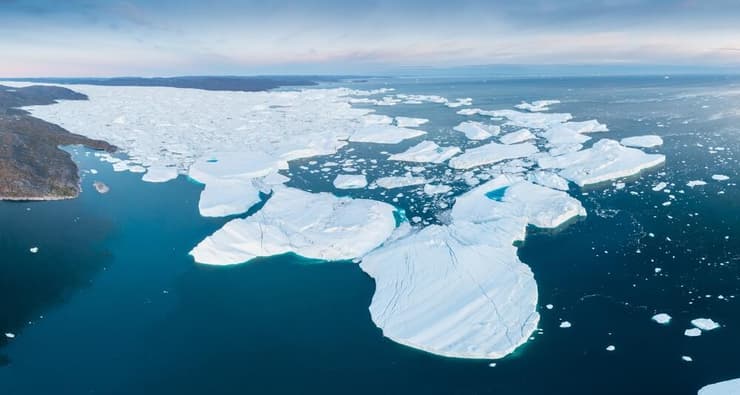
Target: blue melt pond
x,y
497,194
212,160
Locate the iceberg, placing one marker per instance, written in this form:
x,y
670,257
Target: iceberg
x,y
729,387
647,141
393,182
426,152
312,225
605,160
383,134
491,153
350,181
548,179
408,122
693,332
519,136
476,130
705,324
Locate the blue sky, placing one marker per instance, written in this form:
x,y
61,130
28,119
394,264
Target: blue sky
x,y
137,37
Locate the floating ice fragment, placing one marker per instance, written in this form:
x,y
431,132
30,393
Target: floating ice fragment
x,y
159,174
687,358
729,387
548,179
696,183
693,332
426,151
435,189
610,348
491,153
705,324
33,250
384,134
399,182
477,130
565,324
660,186
537,106
662,318
10,335
350,181
407,122
720,177
647,141
519,136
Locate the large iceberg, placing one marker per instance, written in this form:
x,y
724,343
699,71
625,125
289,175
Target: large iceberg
x,y
491,153
729,387
312,225
426,151
459,290
605,160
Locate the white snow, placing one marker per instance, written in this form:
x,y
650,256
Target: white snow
x,y
399,182
696,183
426,152
662,318
720,177
384,134
477,130
159,174
408,122
312,225
705,324
491,153
604,161
729,387
646,141
519,136
350,181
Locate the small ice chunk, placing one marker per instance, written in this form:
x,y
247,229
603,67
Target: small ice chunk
x,y
696,183
10,335
720,177
646,141
435,189
537,105
660,186
687,358
565,324
426,152
549,306
477,130
407,122
705,324
350,181
693,332
662,318
610,348
33,250
519,136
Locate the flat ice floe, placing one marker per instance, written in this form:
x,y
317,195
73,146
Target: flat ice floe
x,y
476,130
705,324
604,161
519,136
408,122
647,141
160,174
350,181
537,105
459,290
426,152
491,153
729,387
384,134
312,225
399,181
720,177
662,318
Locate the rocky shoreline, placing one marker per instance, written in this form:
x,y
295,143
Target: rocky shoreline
x,y
32,166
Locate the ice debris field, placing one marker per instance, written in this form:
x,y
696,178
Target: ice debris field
x,y
448,278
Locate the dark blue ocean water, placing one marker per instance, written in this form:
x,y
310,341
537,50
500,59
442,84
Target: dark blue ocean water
x,y
112,303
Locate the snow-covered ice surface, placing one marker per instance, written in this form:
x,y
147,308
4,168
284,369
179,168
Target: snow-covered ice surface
x,y
313,225
647,141
450,281
728,387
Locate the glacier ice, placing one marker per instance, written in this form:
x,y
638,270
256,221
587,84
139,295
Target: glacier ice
x,y
426,152
646,141
159,174
312,225
350,181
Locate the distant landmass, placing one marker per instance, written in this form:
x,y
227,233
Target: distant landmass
x,y
32,167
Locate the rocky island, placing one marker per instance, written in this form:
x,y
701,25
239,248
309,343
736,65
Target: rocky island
x,y
32,166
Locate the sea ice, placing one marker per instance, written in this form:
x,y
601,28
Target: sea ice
x,y
705,324
399,182
426,152
604,161
33,250
383,134
491,153
565,324
720,177
519,136
696,183
662,318
548,179
647,141
729,387
476,130
312,225
407,122
159,174
660,186
10,335
350,181
537,106
693,332
432,189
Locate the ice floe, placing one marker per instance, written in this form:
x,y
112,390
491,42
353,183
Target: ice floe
x,y
159,174
720,177
729,387
312,225
662,318
519,136
434,189
350,181
477,130
646,141
408,122
537,105
399,181
696,183
426,152
604,161
384,134
548,179
693,332
705,324
491,153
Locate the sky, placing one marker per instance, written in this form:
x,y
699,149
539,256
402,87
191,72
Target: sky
x,y
77,38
